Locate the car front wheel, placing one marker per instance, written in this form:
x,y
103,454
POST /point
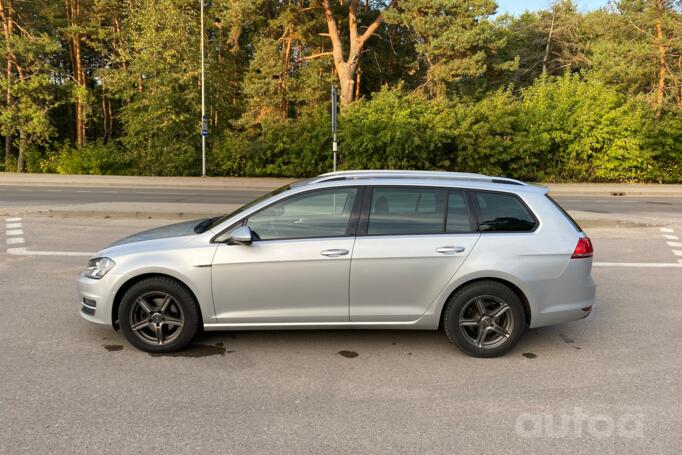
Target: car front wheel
x,y
485,319
158,314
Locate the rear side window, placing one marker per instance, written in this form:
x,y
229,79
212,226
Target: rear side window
x,y
403,211
501,212
459,220
565,213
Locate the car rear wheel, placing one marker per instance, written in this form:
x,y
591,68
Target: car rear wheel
x,y
485,319
158,315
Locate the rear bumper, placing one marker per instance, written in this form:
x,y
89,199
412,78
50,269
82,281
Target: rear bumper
x,y
568,298
558,314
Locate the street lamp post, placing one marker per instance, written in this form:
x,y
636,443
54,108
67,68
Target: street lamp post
x,y
204,119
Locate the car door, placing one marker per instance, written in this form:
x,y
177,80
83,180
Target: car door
x,y
296,269
411,242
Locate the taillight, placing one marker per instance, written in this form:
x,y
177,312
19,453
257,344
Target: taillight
x,y
583,249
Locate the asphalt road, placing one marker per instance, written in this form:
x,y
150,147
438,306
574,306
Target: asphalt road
x,y
608,384
27,196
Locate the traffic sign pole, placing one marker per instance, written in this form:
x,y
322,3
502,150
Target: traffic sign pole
x,y
334,125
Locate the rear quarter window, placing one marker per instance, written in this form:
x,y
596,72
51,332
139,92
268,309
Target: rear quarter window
x,y
565,214
502,212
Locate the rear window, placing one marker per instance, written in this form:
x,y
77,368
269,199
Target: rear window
x,y
502,212
565,213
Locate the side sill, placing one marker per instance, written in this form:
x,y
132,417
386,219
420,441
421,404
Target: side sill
x,y
409,325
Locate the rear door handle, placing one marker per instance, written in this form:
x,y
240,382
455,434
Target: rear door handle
x,y
334,253
450,249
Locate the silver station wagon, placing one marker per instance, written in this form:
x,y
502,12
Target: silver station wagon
x,y
482,257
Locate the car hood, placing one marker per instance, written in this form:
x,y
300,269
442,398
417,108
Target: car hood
x,y
163,232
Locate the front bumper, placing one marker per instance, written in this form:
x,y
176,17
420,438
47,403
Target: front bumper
x,y
96,297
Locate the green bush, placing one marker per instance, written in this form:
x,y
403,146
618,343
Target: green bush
x,y
567,128
290,149
396,130
93,158
664,139
10,165
583,130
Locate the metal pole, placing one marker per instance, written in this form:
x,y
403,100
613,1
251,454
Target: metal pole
x,y
204,120
334,147
334,124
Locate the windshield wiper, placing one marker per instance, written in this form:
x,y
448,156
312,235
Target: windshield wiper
x,y
202,226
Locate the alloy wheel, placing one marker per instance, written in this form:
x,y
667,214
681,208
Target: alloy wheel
x,y
486,321
156,318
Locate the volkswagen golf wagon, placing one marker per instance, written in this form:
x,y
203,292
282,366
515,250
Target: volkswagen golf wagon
x,y
484,258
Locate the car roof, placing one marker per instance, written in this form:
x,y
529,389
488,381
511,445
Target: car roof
x,y
419,178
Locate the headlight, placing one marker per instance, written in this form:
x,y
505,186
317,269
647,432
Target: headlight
x,y
98,267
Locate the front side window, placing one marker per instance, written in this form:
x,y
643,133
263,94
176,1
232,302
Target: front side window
x,y
404,211
498,212
322,213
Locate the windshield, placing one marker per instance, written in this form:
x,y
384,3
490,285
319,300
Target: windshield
x,y
213,222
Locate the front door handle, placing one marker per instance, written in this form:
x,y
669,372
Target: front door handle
x,y
334,253
450,249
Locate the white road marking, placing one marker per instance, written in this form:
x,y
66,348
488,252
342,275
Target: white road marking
x,y
25,252
638,264
15,237
667,230
675,244
671,237
677,252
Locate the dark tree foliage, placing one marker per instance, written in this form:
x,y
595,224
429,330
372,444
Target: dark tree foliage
x,y
113,87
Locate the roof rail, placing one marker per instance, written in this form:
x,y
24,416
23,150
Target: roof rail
x,y
393,174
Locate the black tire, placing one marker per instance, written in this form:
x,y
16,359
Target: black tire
x,y
154,292
470,321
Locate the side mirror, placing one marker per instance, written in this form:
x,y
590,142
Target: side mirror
x,y
241,236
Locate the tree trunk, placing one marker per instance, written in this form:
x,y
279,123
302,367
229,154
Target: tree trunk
x,y
661,46
22,152
8,151
545,58
105,120
286,64
7,24
346,73
72,14
358,78
111,118
346,68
